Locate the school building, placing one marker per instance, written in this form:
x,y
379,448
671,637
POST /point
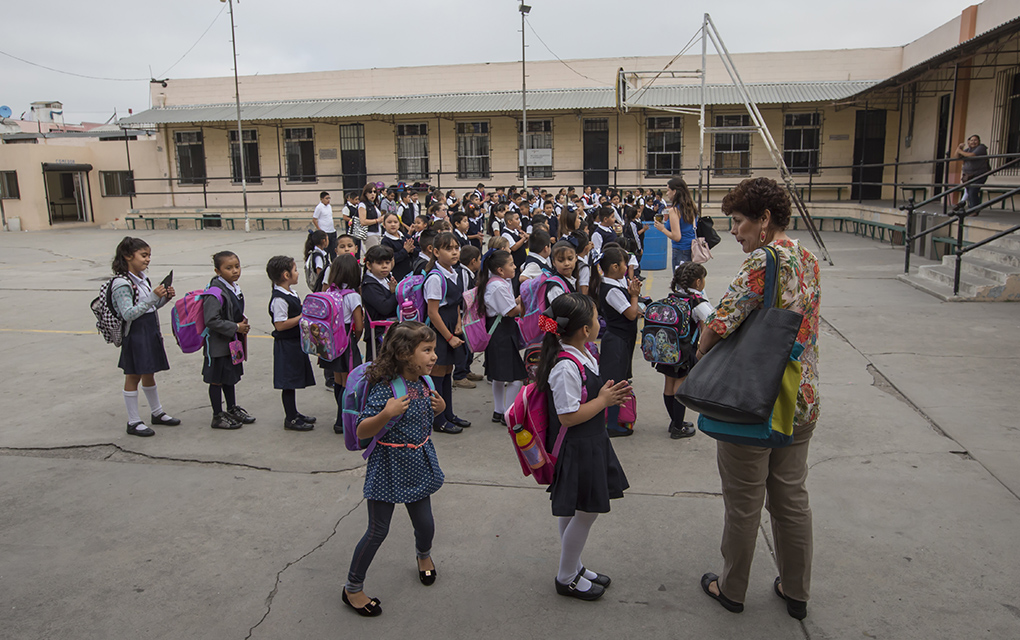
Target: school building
x,y
857,127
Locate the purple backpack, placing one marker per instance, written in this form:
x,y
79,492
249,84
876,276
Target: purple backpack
x,y
187,319
353,403
323,332
411,295
534,301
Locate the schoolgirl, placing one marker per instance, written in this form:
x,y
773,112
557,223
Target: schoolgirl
x,y
346,274
518,243
291,368
403,468
141,353
565,264
400,245
587,473
444,294
369,215
378,295
689,283
225,321
634,230
316,258
495,224
584,246
504,366
618,303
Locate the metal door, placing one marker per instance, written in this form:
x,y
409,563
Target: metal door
x,y
596,152
941,170
352,156
869,148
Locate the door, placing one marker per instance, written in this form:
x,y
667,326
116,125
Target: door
x,y
596,152
352,156
869,148
942,169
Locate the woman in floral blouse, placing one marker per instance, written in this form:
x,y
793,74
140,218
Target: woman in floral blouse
x,y
760,212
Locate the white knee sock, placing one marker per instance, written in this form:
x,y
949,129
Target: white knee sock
x,y
498,397
152,395
131,401
512,389
572,540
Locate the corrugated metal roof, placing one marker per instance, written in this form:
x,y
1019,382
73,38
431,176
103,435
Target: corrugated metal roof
x,y
496,101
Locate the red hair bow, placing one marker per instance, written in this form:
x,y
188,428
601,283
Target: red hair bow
x,y
547,324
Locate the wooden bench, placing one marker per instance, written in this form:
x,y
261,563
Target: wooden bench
x,y
913,191
820,222
864,227
174,221
1001,191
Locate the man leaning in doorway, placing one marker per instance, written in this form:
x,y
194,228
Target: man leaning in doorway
x,y
323,221
975,163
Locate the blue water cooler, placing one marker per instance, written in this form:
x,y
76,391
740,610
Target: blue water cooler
x,y
656,244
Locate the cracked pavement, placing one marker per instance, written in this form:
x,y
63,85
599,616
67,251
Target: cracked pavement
x,y
248,534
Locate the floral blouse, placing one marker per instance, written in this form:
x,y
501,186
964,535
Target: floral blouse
x,y
799,290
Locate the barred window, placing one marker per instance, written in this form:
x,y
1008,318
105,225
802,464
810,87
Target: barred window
x,y
9,185
540,144
732,150
117,183
802,134
300,151
413,151
252,170
190,157
664,140
472,150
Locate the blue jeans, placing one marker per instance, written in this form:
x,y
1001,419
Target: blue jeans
x,y
679,257
379,515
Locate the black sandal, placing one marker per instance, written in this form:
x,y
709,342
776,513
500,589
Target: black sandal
x,y
729,605
428,577
796,608
370,610
594,593
600,578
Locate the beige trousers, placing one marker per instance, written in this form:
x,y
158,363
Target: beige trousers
x,y
752,476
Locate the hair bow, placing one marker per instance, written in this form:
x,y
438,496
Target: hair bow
x,y
487,255
572,240
547,324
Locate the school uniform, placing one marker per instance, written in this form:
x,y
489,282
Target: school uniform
x,y
462,238
503,360
406,213
221,320
379,303
351,357
587,474
291,367
553,289
463,367
583,272
495,227
520,254
474,228
621,333
420,264
141,351
600,237
534,265
401,259
449,310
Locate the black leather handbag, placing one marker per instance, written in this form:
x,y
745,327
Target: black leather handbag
x,y
706,230
739,380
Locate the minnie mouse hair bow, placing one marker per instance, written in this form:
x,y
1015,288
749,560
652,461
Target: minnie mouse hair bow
x,y
547,324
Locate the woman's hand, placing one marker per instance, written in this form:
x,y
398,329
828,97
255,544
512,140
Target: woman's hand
x,y
243,327
438,404
396,407
615,394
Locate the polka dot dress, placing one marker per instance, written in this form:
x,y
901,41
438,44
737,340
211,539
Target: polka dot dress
x,y
402,474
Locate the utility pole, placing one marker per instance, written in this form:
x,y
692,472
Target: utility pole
x,y
525,10
240,134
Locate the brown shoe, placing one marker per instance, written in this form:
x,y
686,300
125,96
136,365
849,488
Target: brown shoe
x,y
464,384
477,377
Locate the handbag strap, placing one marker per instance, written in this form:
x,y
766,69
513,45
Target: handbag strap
x,y
770,293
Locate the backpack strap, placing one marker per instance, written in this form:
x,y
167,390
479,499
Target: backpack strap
x,y
399,388
564,355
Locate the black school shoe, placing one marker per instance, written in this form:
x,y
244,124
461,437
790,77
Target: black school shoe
x,y
685,431
338,427
446,427
303,418
570,590
224,420
240,415
297,424
164,420
796,608
498,418
601,579
139,429
460,422
620,433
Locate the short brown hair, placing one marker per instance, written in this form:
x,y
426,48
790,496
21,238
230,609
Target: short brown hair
x,y
752,197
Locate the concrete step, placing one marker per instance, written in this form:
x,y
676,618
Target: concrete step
x,y
982,268
940,291
997,255
1007,243
970,285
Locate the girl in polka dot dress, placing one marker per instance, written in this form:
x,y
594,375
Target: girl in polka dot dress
x,y
403,468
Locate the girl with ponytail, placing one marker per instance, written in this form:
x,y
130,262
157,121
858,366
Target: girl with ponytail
x,y
503,363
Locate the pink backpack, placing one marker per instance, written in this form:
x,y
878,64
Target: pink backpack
x,y
411,296
353,403
187,319
531,411
323,332
534,302
473,323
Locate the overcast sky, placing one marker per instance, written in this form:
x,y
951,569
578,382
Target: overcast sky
x,y
124,39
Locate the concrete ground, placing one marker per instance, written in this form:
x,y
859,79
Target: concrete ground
x,y
197,533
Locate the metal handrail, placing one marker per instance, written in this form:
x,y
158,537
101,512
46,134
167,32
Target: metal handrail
x,y
960,249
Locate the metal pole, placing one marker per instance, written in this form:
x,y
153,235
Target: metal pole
x,y
907,235
952,123
896,168
524,103
701,117
127,152
240,135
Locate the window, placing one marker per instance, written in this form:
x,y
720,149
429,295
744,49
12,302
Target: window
x,y
300,151
413,151
252,169
1012,132
540,144
801,139
472,150
190,157
664,146
9,185
117,183
732,150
